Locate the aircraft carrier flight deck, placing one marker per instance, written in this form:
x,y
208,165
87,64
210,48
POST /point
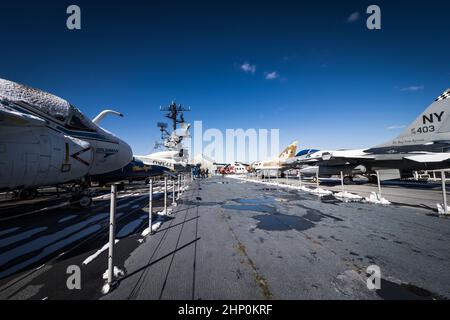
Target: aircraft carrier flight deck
x,y
230,238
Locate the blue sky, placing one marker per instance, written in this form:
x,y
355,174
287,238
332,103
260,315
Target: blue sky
x,y
314,70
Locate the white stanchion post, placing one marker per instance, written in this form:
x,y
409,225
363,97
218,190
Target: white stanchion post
x,y
317,179
150,205
179,185
300,178
379,185
173,193
112,234
444,191
342,185
165,195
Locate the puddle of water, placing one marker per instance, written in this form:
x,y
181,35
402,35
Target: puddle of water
x,y
313,216
202,204
393,291
255,201
255,208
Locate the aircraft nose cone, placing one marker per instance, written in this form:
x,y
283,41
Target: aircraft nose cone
x,y
126,154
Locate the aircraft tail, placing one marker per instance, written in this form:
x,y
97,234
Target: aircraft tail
x,y
434,120
289,152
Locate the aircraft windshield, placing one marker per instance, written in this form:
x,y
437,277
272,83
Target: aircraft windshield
x,y
78,121
306,152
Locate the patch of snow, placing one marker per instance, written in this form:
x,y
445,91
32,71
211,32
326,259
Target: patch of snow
x,y
165,213
303,188
320,192
348,196
375,198
155,226
105,288
116,273
441,210
95,255
46,102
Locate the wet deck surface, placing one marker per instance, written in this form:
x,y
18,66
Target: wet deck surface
x,y
231,239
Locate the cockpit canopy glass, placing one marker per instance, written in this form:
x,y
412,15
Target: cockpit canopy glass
x,y
306,152
78,121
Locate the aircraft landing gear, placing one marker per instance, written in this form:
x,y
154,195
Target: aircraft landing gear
x,y
81,198
27,194
348,180
373,179
85,201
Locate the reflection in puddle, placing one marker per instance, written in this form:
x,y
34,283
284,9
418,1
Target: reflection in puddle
x,y
393,291
273,220
283,222
255,208
255,201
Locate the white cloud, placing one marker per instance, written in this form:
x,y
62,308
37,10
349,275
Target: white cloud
x,y
396,127
248,68
272,75
413,88
353,17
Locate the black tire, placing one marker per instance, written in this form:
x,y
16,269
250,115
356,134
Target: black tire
x,y
28,194
348,180
85,201
373,179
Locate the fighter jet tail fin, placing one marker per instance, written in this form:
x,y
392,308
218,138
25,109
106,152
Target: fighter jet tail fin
x,y
434,120
289,152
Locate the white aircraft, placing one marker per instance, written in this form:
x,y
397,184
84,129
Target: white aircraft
x,y
176,158
277,162
45,141
424,145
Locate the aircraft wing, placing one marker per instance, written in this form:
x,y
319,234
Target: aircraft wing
x,y
430,157
336,159
12,118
